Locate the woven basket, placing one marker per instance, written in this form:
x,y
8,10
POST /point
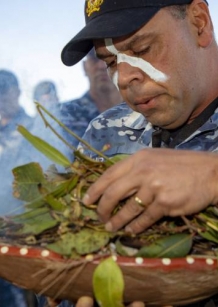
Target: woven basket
x,y
155,281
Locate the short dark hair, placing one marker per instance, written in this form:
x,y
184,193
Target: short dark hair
x,y
7,81
178,11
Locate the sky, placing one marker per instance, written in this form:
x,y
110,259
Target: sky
x,y
33,34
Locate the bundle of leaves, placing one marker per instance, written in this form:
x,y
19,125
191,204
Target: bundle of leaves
x,y
56,218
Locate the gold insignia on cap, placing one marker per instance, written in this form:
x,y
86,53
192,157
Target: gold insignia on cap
x,y
93,6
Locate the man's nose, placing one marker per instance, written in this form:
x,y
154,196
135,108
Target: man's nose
x,y
128,75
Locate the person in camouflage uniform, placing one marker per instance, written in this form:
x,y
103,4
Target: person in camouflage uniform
x,y
174,105
11,115
102,94
163,56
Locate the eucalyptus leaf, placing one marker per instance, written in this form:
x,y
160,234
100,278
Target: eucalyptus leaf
x,y
209,234
119,157
55,190
38,226
84,242
54,203
64,246
89,214
173,246
29,215
45,148
89,240
212,210
108,284
35,221
115,159
27,179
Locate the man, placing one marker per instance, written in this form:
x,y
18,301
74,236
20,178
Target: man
x,y
102,95
164,58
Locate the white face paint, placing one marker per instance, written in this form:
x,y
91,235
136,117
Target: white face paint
x,y
145,66
112,49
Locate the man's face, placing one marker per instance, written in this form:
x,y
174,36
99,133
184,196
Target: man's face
x,y
96,71
157,69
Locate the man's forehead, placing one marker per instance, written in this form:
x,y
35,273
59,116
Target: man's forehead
x,y
146,33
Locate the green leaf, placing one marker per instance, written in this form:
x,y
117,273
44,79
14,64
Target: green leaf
x,y
35,221
49,151
119,157
108,284
28,178
55,190
172,246
55,204
115,159
64,246
89,240
212,210
84,242
89,214
209,235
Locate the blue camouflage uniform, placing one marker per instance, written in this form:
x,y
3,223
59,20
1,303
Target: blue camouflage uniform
x,y
120,130
76,115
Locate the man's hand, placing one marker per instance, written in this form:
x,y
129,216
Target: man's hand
x,y
158,182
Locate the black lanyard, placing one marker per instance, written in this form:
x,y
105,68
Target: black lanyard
x,y
173,138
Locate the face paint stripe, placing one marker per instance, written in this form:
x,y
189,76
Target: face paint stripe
x,y
145,66
110,46
115,79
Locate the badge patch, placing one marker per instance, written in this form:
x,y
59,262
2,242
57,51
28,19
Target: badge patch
x,y
93,6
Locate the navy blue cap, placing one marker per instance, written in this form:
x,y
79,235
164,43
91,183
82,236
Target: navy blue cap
x,y
110,19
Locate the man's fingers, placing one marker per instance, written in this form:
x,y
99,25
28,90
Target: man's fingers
x,y
148,217
133,207
115,172
85,301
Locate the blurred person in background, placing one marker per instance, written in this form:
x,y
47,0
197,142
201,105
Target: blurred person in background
x,y
45,93
11,114
102,95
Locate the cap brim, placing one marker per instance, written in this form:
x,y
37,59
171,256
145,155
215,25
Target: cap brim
x,y
124,22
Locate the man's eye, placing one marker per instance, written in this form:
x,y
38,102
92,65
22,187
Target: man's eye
x,y
142,52
111,64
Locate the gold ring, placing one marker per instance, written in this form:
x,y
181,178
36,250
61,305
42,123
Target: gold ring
x,y
139,201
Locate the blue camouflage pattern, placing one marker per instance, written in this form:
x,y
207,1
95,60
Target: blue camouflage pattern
x,y
76,115
120,130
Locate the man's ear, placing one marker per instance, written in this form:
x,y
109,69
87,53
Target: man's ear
x,y
200,17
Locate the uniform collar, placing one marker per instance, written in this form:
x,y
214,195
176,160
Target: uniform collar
x,y
135,120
